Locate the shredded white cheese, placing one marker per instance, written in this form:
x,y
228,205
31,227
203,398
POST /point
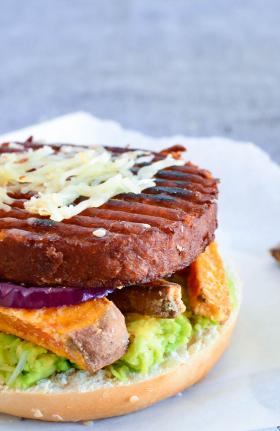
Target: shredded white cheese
x,y
57,180
20,366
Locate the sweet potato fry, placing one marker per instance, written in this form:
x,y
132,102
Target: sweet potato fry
x,y
92,334
207,286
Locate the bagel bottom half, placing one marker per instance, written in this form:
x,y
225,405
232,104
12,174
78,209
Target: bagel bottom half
x,y
95,397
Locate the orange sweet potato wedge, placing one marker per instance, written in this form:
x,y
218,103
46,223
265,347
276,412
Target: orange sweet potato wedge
x,y
92,334
207,286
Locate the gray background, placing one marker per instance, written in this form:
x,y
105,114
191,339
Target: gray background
x,y
198,67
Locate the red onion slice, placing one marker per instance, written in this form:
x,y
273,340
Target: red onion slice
x,y
32,298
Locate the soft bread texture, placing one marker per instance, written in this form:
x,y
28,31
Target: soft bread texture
x,y
107,399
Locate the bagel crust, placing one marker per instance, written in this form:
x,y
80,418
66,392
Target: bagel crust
x,y
119,399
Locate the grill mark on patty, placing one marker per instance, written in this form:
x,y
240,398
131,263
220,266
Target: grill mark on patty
x,y
187,185
113,221
80,226
165,200
188,195
145,209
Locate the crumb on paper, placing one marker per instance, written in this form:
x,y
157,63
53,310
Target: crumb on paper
x,y
87,423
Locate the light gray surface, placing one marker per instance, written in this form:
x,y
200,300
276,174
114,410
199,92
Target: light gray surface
x,y
196,67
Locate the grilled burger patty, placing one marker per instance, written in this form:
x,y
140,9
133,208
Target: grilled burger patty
x,y
144,236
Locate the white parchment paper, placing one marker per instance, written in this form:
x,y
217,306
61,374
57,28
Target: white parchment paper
x,y
243,390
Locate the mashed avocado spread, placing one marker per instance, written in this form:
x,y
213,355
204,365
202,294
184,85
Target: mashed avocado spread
x,y
22,364
152,341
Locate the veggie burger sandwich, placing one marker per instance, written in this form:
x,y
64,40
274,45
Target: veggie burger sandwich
x,y
113,295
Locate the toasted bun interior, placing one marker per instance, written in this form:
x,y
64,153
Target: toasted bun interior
x,y
105,399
